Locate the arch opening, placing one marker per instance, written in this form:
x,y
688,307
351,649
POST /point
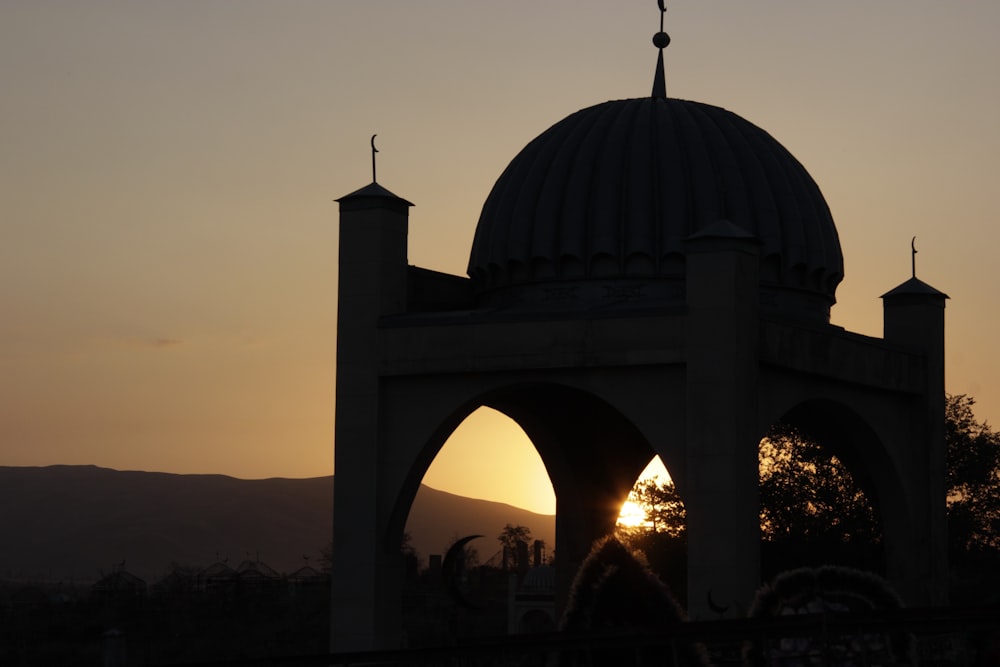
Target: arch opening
x,y
643,509
486,477
586,453
819,492
489,456
654,521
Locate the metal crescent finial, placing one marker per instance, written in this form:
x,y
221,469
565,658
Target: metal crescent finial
x,y
913,255
374,150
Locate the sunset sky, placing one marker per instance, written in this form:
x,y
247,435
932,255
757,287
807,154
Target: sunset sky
x,y
168,239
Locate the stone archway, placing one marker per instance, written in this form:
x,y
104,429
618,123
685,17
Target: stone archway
x,y
880,439
591,451
819,503
593,455
849,437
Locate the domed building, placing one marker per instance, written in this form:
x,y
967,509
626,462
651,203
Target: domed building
x,y
649,276
604,201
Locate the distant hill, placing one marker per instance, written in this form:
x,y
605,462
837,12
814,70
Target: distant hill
x,y
62,522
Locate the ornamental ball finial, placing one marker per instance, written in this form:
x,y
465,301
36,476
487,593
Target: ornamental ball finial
x,y
661,40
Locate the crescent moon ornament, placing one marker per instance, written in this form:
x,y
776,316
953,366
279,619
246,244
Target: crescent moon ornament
x,y
374,150
714,606
451,569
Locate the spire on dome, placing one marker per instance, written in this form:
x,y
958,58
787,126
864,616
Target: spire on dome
x,y
660,41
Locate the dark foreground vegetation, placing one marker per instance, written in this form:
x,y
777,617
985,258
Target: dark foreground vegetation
x,y
288,625
188,619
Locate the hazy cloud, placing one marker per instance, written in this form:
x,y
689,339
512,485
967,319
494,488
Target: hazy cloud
x,y
152,342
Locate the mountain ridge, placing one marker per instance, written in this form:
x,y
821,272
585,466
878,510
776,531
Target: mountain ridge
x,y
76,522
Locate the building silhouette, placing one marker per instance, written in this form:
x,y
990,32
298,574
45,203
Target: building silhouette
x,y
649,276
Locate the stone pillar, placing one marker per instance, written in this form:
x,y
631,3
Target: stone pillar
x,y
721,432
585,512
367,577
913,316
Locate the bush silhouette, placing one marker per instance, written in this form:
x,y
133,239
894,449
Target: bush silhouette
x,y
829,589
614,589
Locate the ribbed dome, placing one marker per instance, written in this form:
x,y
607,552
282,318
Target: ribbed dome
x,y
609,194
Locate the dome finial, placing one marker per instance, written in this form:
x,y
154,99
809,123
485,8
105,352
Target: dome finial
x,y
374,150
660,41
913,255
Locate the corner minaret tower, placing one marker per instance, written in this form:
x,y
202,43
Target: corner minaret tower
x,y
913,314
373,279
913,317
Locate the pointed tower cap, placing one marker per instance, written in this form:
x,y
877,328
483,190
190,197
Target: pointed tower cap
x,y
372,195
915,287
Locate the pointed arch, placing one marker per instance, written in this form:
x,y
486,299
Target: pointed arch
x,y
872,436
592,452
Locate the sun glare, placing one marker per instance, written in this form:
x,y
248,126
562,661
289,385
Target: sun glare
x,y
632,515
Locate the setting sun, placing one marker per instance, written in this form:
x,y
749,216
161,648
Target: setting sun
x,y
632,515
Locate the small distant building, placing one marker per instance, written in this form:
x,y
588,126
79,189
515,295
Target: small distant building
x,y
532,604
120,584
27,598
217,577
256,573
307,575
307,578
179,581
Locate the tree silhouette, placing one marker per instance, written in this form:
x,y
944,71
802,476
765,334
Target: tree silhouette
x,y
509,539
813,512
511,535
973,474
663,540
973,452
662,504
807,493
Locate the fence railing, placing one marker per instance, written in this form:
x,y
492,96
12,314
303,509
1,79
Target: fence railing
x,y
947,636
